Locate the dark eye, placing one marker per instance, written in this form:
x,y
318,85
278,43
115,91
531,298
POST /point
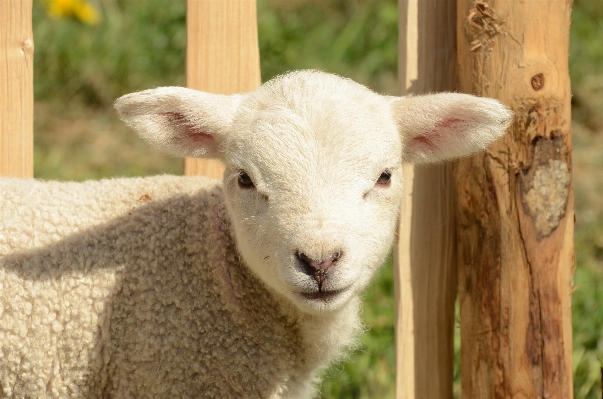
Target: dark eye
x,y
245,181
385,179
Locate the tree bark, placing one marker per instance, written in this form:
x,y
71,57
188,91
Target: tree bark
x,y
515,204
425,257
222,56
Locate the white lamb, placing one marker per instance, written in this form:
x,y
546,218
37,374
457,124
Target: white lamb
x,y
182,287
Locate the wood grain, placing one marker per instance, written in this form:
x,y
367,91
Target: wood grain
x,y
222,56
515,204
16,88
425,255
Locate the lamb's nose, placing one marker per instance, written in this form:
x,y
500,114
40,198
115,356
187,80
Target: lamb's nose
x,y
320,270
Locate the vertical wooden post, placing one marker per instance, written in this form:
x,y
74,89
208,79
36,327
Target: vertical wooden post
x,y
425,256
515,204
16,88
222,56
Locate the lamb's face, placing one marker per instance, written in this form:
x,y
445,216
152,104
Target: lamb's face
x,y
313,175
313,188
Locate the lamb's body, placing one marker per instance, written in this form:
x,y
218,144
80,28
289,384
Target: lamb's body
x,y
131,288
136,288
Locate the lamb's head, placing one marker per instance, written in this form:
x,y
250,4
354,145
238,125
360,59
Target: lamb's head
x,y
313,181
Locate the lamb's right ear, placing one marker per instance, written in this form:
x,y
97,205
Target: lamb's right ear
x,y
180,121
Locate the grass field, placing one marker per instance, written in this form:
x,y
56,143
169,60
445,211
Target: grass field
x,y
80,69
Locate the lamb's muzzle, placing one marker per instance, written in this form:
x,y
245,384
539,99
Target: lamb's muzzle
x,y
320,270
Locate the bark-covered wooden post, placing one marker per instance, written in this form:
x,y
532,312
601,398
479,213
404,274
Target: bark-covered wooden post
x,y
425,255
222,56
515,204
16,88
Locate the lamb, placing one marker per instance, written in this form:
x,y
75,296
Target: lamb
x,y
188,287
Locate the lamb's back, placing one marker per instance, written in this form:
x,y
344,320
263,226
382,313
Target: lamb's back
x,y
132,288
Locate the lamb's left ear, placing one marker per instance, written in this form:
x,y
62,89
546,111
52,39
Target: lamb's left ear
x,y
180,121
438,127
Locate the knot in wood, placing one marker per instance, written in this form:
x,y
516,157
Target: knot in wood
x,y
537,81
27,47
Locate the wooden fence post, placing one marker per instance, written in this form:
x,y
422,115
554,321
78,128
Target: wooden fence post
x,y
515,204
425,256
16,88
222,56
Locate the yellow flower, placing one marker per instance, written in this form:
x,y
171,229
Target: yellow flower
x,y
86,13
79,9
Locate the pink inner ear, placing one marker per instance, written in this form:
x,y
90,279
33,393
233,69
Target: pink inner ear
x,y
448,124
192,133
424,142
198,137
431,138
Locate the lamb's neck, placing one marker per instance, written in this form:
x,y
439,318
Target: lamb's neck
x,y
329,337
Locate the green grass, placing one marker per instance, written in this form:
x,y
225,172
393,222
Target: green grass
x,y
588,295
79,70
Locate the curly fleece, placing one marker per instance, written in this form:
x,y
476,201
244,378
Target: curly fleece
x,y
132,288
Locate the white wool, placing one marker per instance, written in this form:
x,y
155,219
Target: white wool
x,y
180,287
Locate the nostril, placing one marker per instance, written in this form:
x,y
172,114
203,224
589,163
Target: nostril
x,y
304,258
328,262
306,263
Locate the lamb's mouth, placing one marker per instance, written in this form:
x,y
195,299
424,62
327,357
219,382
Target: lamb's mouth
x,y
321,295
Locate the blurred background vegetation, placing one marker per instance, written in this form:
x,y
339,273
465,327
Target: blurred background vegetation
x,y
87,53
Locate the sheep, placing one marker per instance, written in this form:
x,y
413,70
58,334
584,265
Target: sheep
x,y
188,287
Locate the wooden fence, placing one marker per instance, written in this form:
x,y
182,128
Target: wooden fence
x,y
497,227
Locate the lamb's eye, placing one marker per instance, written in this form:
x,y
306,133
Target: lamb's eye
x,y
385,179
245,181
